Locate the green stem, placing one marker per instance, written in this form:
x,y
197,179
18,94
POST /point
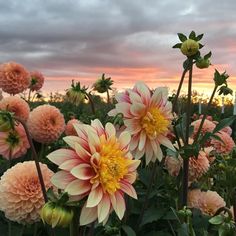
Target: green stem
x,y
108,96
179,89
22,230
186,160
74,225
9,228
35,157
35,229
91,102
205,115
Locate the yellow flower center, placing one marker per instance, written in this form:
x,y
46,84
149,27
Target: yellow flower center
x,y
154,122
112,165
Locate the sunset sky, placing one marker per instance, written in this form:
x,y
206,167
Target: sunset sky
x,y
128,40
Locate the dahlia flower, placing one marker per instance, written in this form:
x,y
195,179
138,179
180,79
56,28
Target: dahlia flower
x,y
98,165
17,105
46,123
14,78
208,202
21,197
224,147
13,143
147,116
173,165
37,81
70,130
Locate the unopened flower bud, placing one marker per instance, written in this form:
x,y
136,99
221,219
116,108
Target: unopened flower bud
x,y
56,215
203,63
189,47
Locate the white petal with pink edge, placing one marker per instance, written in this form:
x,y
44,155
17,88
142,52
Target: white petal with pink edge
x,y
166,142
62,178
78,187
83,171
97,125
69,164
124,139
71,140
88,215
142,140
138,109
110,130
118,203
95,197
104,208
128,189
82,153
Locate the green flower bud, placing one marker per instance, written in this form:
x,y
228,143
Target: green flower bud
x,y
203,63
56,215
189,47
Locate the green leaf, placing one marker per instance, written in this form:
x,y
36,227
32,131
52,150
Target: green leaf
x,y
152,214
178,45
217,220
208,55
199,37
128,230
183,230
182,37
192,35
201,45
223,123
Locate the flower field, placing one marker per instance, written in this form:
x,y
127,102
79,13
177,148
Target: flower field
x,y
141,162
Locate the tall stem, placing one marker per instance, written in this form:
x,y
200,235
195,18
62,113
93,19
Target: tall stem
x,y
91,102
36,159
108,96
186,160
179,89
205,114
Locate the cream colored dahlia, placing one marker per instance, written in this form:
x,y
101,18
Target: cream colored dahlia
x,y
46,124
70,130
37,81
14,143
17,105
147,116
14,78
225,146
99,166
21,197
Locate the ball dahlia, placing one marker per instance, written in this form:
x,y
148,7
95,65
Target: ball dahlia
x,y
14,143
21,197
14,78
98,165
70,130
37,81
46,123
225,146
17,105
147,116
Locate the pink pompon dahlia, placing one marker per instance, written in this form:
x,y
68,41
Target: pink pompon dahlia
x,y
37,81
14,143
21,198
46,123
208,202
14,78
98,164
17,105
70,130
147,116
225,146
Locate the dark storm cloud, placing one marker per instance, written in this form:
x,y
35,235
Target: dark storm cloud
x,y
64,38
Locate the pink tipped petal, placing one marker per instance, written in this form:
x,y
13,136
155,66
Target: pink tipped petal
x,y
134,97
134,165
166,142
128,189
144,92
138,109
133,126
88,215
97,125
142,141
83,172
69,164
79,128
134,142
61,179
94,197
118,204
61,155
124,108
71,140
110,130
82,153
124,139
139,154
78,187
103,208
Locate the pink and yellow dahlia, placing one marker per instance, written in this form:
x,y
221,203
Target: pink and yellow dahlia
x,y
14,78
147,116
21,197
14,143
17,105
98,164
225,145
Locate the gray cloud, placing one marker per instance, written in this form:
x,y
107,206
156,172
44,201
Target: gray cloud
x,y
64,38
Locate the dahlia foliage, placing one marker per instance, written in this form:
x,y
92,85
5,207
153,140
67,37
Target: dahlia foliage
x,y
143,163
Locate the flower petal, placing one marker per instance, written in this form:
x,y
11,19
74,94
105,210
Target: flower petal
x,y
83,172
128,189
118,204
110,130
62,178
88,215
78,187
142,140
124,139
69,164
103,208
94,197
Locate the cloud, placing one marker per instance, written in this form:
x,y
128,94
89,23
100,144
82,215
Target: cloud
x,y
129,40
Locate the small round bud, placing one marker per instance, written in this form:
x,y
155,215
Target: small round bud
x,y
189,47
203,63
